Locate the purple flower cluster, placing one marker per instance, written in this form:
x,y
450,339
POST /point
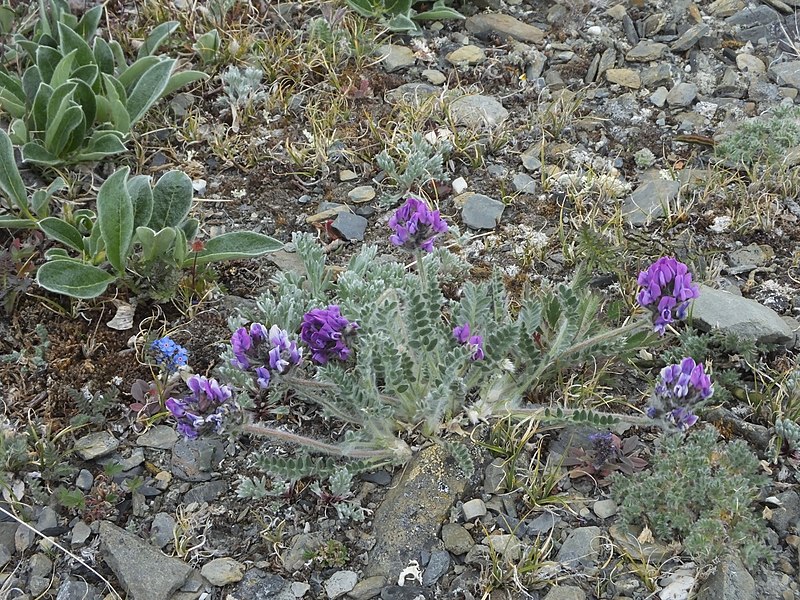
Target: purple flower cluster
x,y
475,342
603,448
169,355
325,332
204,410
268,351
666,287
416,226
680,387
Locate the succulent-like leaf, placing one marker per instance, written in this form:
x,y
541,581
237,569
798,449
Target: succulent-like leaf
x,y
47,59
142,198
149,88
73,278
11,183
172,199
61,231
35,153
157,37
115,218
233,246
181,79
103,56
70,41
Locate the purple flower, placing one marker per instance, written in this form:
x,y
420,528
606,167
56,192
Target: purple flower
x,y
416,226
666,288
204,410
475,342
169,355
680,388
271,351
325,331
603,448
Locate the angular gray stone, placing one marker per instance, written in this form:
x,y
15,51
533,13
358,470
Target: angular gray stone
x,y
142,570
477,111
206,492
625,77
787,73
162,437
7,531
524,184
565,592
351,227
5,556
752,17
506,545
371,586
659,97
730,581
473,509
716,309
437,566
494,476
80,533
95,445
786,518
40,567
542,524
725,8
395,57
660,74
682,94
223,571
85,480
466,55
690,37
456,539
645,51
259,585
484,25
162,529
581,549
412,93
648,200
341,582
193,460
481,212
73,589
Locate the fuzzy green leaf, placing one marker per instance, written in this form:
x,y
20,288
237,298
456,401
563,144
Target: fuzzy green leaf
x,y
11,183
149,89
115,218
233,246
61,231
73,278
172,199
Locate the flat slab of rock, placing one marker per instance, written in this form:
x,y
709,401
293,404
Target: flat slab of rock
x,y
96,445
395,57
480,211
162,437
648,200
730,581
410,516
222,571
487,24
144,572
581,549
746,318
476,111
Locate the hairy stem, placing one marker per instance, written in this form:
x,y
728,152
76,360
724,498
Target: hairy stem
x,y
331,449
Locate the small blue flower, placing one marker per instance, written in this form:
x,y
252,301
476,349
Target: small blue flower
x,y
169,355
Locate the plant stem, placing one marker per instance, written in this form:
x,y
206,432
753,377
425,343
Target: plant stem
x,y
540,414
285,436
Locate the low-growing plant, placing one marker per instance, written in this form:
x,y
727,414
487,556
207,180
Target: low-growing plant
x,y
77,97
400,16
17,268
701,493
604,454
139,237
383,350
18,210
413,163
763,140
